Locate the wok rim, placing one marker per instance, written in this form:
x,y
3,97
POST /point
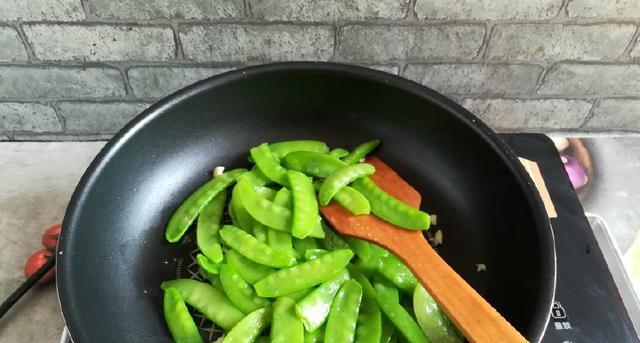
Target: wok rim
x,y
548,259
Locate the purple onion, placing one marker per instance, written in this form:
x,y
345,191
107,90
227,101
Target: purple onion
x,y
577,173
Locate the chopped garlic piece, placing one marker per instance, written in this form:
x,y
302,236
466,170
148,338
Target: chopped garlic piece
x,y
481,267
437,238
434,219
217,171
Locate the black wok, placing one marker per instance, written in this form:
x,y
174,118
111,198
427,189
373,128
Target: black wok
x,y
112,253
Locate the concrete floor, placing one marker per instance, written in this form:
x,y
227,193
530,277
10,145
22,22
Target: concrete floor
x,y
36,182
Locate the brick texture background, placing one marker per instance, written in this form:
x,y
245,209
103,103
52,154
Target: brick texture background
x,y
80,69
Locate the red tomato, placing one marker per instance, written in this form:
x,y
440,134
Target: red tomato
x,y
37,260
50,237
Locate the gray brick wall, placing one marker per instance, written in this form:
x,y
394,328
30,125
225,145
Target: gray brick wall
x,y
80,69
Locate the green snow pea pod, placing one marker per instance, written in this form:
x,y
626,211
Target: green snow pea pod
x,y
316,336
256,177
260,232
353,201
302,245
242,217
283,198
305,205
313,309
253,249
239,291
312,254
344,176
434,324
317,231
250,327
395,271
281,149
382,285
297,296
333,241
250,271
367,266
369,327
182,327
339,152
265,192
285,326
207,264
268,164
360,247
343,317
303,275
281,241
400,318
209,301
391,209
190,208
312,163
361,151
208,225
263,210
232,214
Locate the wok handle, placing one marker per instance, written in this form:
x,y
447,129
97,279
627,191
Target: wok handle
x,y
472,314
26,286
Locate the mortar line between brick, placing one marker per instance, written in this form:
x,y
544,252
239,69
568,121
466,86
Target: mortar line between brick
x,y
360,21
336,36
591,113
545,70
25,42
179,53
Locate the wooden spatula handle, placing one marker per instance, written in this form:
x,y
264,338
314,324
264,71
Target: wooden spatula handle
x,y
474,316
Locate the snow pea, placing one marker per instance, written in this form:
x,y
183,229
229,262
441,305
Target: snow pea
x,y
208,225
283,198
190,208
260,232
207,264
395,271
312,254
391,209
250,327
305,205
281,241
250,271
243,219
256,177
281,149
367,266
297,296
265,192
209,301
182,327
333,241
253,249
361,151
303,275
353,201
285,326
434,324
400,318
361,248
313,309
342,177
312,163
343,316
302,245
339,152
369,327
382,285
268,164
239,291
317,231
316,336
263,210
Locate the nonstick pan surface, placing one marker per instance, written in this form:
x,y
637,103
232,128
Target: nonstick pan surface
x,y
113,256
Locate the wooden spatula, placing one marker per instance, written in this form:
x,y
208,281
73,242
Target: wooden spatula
x,y
474,316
